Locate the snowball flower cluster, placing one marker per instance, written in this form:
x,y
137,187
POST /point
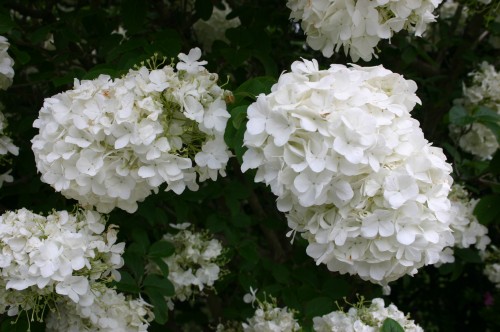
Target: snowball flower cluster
x,y
484,90
358,26
352,169
215,27
61,254
195,264
6,146
6,65
491,258
270,318
364,318
110,143
110,312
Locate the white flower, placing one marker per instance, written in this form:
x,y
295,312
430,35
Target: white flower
x,y
364,318
6,65
62,253
352,169
270,318
110,311
195,265
477,138
491,258
357,26
215,27
111,143
6,146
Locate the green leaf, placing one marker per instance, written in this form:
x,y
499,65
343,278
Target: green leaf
x,y
255,86
162,266
161,249
135,263
487,209
459,116
239,115
319,306
390,325
127,283
159,284
468,255
159,303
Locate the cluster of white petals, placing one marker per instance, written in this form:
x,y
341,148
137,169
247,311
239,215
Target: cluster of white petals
x,y
110,143
358,26
6,65
484,90
195,264
110,312
491,258
352,169
6,146
215,27
62,254
466,229
270,318
363,318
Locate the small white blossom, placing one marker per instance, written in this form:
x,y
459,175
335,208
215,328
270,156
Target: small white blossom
x,y
352,169
6,65
111,143
491,258
6,146
358,26
269,317
364,318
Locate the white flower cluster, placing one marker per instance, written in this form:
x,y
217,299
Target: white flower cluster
x,y
479,140
366,319
62,254
195,263
215,27
270,318
6,146
491,258
352,169
6,65
110,143
358,26
110,312
466,229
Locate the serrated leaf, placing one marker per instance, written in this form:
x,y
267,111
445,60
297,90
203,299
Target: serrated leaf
x,y
160,308
160,284
390,325
161,249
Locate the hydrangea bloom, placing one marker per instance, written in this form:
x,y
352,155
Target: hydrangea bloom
x,y
215,27
484,90
195,264
110,143
363,318
491,258
270,318
110,312
6,146
352,168
62,253
357,26
6,65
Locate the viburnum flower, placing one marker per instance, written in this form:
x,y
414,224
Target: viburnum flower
x,y
6,146
358,26
484,90
195,265
215,27
364,318
111,143
269,317
352,169
6,65
61,255
491,259
467,231
111,311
